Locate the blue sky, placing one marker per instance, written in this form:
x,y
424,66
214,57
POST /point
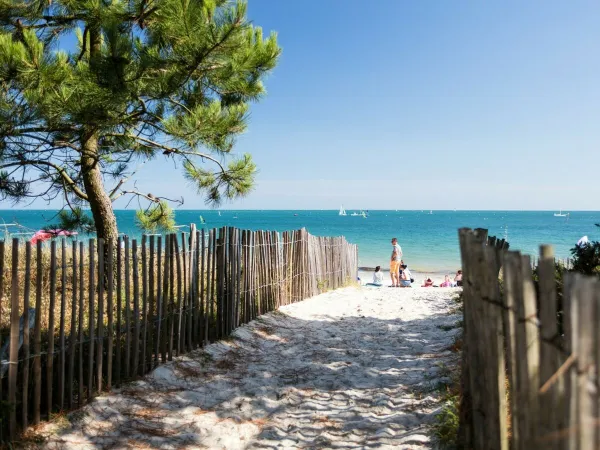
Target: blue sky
x,y
394,104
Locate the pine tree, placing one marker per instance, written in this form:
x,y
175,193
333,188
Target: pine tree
x,y
148,79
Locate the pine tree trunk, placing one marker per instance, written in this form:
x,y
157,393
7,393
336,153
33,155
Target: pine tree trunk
x,y
100,203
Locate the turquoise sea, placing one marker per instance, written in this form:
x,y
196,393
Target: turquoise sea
x,y
429,240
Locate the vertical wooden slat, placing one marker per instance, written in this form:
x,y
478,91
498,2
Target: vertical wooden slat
x,y
144,364
512,295
100,333
470,408
127,310
185,294
164,309
118,365
186,344
25,374
207,295
159,301
196,274
231,278
37,331
213,311
50,354
494,369
136,312
110,311
73,328
63,292
171,310
244,288
238,276
182,299
221,242
180,302
570,343
587,401
91,321
14,339
528,354
190,286
550,360
230,269
151,319
81,325
201,285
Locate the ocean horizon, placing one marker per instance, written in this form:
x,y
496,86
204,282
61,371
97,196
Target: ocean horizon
x,y
429,238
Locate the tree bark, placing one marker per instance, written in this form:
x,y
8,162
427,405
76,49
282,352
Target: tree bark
x,y
100,203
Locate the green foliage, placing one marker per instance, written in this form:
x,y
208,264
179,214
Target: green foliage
x,y
586,258
170,79
73,220
446,426
158,217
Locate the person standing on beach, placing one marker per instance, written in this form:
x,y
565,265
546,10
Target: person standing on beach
x,y
395,263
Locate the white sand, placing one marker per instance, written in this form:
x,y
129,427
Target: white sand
x,y
352,368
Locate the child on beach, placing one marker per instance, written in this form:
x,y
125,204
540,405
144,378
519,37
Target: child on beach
x,y
377,277
427,283
458,278
395,263
447,282
405,280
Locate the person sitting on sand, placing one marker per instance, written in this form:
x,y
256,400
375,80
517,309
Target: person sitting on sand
x,y
395,263
405,279
458,278
377,277
447,282
428,283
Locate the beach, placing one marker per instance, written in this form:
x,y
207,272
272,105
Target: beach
x,y
357,367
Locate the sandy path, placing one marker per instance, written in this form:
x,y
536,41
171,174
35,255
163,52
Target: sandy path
x,y
353,368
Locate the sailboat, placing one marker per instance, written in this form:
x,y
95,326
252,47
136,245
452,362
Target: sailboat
x,y
430,211
560,214
342,211
202,221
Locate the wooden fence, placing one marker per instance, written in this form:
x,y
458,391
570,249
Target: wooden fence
x,y
531,352
111,312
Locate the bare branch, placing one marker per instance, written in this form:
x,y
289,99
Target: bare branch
x,y
61,171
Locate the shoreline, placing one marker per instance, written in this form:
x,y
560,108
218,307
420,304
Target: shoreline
x,y
442,272
366,276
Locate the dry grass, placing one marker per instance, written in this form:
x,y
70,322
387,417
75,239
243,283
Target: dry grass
x,y
67,291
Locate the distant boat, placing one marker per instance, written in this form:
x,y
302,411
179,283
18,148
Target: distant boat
x,y
354,214
342,211
219,213
202,221
560,214
431,212
362,213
